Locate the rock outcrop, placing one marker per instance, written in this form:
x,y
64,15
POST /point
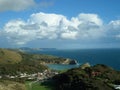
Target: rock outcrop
x,y
83,66
73,62
70,61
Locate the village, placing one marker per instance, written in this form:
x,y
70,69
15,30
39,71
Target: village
x,y
39,76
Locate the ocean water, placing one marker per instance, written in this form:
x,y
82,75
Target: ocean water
x,y
110,57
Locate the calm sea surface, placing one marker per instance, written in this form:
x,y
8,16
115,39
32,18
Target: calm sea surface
x,y
110,57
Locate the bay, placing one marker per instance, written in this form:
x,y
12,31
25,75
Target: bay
x,y
110,57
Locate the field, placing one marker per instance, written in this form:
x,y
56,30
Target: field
x,y
11,85
37,86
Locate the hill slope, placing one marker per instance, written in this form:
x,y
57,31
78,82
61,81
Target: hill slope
x,y
8,56
11,56
10,85
98,77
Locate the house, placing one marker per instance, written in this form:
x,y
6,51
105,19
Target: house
x,y
117,87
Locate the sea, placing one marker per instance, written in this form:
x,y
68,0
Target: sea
x,y
110,57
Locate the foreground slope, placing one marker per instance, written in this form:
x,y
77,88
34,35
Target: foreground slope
x,y
10,85
98,77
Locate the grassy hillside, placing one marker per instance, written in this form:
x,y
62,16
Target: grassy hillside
x,y
10,85
11,56
8,56
37,86
13,61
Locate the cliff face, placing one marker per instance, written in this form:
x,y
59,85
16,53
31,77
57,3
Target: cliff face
x,y
70,61
98,77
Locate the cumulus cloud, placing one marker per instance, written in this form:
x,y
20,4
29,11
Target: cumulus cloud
x,y
18,5
50,26
114,29
69,35
15,5
49,19
16,34
90,18
115,24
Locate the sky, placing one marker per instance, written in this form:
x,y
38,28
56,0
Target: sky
x,y
60,23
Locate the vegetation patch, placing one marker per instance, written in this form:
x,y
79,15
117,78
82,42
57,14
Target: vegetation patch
x,y
38,86
10,85
98,77
9,56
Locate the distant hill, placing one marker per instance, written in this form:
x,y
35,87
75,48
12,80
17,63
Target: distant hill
x,y
27,49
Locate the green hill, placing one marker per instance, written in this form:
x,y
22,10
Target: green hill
x,y
12,56
13,61
98,77
9,56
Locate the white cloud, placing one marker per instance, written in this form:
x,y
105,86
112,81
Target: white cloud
x,y
115,24
114,28
69,35
55,26
17,35
90,18
15,5
48,19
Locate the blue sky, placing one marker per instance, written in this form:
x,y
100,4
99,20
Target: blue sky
x,y
60,23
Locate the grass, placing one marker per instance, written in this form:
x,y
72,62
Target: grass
x,y
8,56
11,85
38,86
62,71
